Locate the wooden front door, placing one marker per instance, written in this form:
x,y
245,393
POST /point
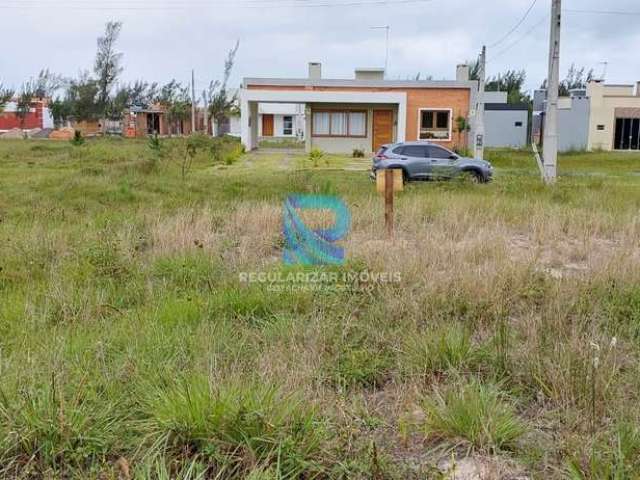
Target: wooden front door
x,y
267,125
382,128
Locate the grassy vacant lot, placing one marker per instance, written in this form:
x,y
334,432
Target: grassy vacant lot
x,y
130,348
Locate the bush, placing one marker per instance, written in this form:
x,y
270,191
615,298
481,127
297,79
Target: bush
x,y
77,139
358,153
476,412
442,350
240,428
315,155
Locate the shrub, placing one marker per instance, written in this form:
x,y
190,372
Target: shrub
x,y
440,350
361,366
77,139
238,427
476,412
154,144
358,153
616,456
315,155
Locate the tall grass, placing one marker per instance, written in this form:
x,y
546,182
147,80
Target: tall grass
x,y
130,347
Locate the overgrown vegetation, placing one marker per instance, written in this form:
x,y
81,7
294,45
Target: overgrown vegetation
x,y
131,347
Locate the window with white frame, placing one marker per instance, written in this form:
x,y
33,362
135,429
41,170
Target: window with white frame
x,y
287,125
339,123
435,124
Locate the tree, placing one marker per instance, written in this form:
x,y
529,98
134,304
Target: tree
x,y
25,99
474,69
6,94
61,110
139,94
47,84
575,79
176,101
512,82
107,65
218,103
81,97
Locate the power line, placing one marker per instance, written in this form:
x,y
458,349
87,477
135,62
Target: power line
x,y
517,25
602,12
525,35
25,4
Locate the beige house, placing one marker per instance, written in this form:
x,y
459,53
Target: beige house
x,y
614,121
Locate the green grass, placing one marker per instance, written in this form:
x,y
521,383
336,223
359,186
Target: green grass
x,y
129,341
474,412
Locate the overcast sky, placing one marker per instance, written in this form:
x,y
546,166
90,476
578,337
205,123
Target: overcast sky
x,y
164,39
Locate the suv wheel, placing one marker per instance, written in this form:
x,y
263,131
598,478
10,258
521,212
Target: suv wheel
x,y
473,176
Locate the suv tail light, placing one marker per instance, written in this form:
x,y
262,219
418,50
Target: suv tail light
x,y
381,154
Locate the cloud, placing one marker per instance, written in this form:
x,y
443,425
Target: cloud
x,y
428,37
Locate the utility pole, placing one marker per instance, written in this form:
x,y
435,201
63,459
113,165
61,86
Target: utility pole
x,y
550,147
193,101
479,133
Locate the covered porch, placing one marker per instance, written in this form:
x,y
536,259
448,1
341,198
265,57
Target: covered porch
x,y
335,121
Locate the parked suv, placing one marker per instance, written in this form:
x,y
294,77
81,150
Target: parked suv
x,y
425,160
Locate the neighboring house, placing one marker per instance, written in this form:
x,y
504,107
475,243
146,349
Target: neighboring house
x,y
230,126
506,125
38,116
573,119
142,121
614,122
231,123
281,121
365,112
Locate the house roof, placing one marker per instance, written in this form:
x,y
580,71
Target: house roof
x,y
307,82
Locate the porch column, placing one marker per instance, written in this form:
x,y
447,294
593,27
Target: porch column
x,y
245,125
253,108
307,128
249,124
402,121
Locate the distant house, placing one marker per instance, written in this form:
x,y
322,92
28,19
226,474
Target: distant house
x,y
614,122
506,125
361,113
38,116
281,121
142,121
573,119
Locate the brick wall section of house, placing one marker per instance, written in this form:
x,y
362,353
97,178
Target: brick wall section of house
x,y
33,119
457,99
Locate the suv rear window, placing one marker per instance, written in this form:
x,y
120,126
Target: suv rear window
x,y
398,150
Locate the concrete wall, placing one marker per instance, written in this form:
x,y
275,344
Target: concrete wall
x,y
495,97
573,121
9,118
573,125
501,129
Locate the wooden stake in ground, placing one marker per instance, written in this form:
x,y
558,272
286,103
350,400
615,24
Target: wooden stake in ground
x,y
388,202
